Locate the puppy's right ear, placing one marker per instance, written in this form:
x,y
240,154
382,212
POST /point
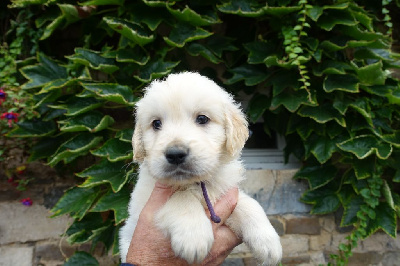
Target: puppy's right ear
x,y
137,143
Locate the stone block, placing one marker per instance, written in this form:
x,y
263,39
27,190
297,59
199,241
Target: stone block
x,y
364,259
21,256
293,245
380,242
391,259
276,191
233,262
303,225
20,224
320,242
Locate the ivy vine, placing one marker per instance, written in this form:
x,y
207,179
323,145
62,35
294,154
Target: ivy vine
x,y
321,74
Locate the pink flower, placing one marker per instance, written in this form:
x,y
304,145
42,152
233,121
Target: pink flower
x,y
3,95
10,116
27,202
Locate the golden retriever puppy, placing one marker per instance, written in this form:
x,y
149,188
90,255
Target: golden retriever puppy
x,y
189,134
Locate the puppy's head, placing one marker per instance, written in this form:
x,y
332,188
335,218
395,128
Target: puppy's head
x,y
186,127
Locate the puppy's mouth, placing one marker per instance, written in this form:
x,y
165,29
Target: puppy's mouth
x,y
179,172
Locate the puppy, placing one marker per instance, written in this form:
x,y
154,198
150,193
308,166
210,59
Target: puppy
x,y
189,132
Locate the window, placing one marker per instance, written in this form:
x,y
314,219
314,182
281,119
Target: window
x,y
266,152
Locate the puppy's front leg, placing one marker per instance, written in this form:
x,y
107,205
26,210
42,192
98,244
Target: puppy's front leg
x,y
184,220
250,222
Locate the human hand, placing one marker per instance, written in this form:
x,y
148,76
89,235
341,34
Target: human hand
x,y
150,247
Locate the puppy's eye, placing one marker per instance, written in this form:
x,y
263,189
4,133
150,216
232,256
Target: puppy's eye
x,y
156,124
202,119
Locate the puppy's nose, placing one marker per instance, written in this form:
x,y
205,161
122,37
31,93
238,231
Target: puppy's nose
x,y
176,155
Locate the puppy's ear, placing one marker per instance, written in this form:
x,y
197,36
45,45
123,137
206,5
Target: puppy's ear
x,y
137,143
237,130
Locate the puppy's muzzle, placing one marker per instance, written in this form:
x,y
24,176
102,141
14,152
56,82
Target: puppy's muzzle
x,y
176,155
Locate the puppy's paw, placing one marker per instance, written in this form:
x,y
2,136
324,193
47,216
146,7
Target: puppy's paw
x,y
266,247
193,242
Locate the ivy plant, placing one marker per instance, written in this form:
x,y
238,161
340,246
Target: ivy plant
x,y
320,73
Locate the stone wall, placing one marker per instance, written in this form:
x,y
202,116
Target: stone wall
x,y
28,236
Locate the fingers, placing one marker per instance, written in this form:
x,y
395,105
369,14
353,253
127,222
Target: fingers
x,y
226,204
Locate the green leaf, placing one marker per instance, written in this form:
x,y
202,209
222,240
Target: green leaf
x,y
145,15
133,55
315,12
196,49
31,129
81,257
93,121
259,51
291,99
76,105
183,33
218,44
245,8
56,23
57,84
76,201
45,148
125,135
102,2
280,11
372,74
365,145
93,60
385,220
250,74
130,30
317,176
331,67
350,210
347,83
324,199
393,139
78,145
323,148
113,92
190,16
322,114
331,18
90,227
115,150
106,172
258,104
155,69
43,73
118,202
387,193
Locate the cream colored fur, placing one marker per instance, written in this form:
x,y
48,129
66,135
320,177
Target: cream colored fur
x,y
213,157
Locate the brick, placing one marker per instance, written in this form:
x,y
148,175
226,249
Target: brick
x,y
296,260
294,245
278,226
307,226
21,256
363,259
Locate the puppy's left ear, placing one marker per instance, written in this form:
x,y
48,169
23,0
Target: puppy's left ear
x,y
236,127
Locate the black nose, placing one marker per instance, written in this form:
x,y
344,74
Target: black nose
x,y
176,155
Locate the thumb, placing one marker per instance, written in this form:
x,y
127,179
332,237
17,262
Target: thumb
x,y
159,196
226,204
